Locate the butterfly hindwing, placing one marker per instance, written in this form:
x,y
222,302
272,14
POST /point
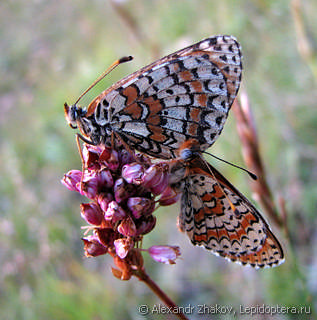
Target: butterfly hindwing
x,y
217,216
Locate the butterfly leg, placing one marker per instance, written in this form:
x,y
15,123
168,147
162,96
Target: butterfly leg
x,y
78,138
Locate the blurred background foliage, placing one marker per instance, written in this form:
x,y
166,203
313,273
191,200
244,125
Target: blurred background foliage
x,y
50,52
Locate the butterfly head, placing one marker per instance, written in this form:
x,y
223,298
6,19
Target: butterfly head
x,y
76,117
73,115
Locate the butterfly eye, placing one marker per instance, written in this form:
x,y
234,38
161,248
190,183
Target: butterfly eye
x,y
71,115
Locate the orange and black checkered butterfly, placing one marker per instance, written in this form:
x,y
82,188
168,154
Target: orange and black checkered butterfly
x,y
215,215
185,95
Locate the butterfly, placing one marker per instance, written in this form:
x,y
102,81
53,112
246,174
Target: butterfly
x,y
215,215
185,95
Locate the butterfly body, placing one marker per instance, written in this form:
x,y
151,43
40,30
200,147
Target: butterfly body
x,y
185,95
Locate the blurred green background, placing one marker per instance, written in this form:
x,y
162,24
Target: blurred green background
x,y
50,51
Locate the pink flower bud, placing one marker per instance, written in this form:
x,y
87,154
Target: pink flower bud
x,y
93,247
160,186
123,246
126,157
164,254
169,196
90,185
133,173
140,206
156,178
91,148
145,225
103,200
105,179
106,236
114,212
127,227
105,154
123,190
92,213
113,161
91,156
72,179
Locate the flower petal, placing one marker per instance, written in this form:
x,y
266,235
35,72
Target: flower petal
x,y
164,254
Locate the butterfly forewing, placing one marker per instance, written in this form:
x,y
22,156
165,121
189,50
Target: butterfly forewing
x,y
182,96
217,216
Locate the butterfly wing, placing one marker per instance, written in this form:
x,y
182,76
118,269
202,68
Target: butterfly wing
x,y
225,222
184,95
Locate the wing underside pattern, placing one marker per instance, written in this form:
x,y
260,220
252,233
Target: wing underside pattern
x,y
185,95
218,217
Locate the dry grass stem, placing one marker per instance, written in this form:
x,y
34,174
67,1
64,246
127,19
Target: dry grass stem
x,y
246,128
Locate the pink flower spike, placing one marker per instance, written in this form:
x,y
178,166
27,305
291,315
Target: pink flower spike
x,y
127,227
72,179
164,254
123,246
92,213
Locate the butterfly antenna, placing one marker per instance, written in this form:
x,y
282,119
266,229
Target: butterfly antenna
x,y
251,174
113,66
